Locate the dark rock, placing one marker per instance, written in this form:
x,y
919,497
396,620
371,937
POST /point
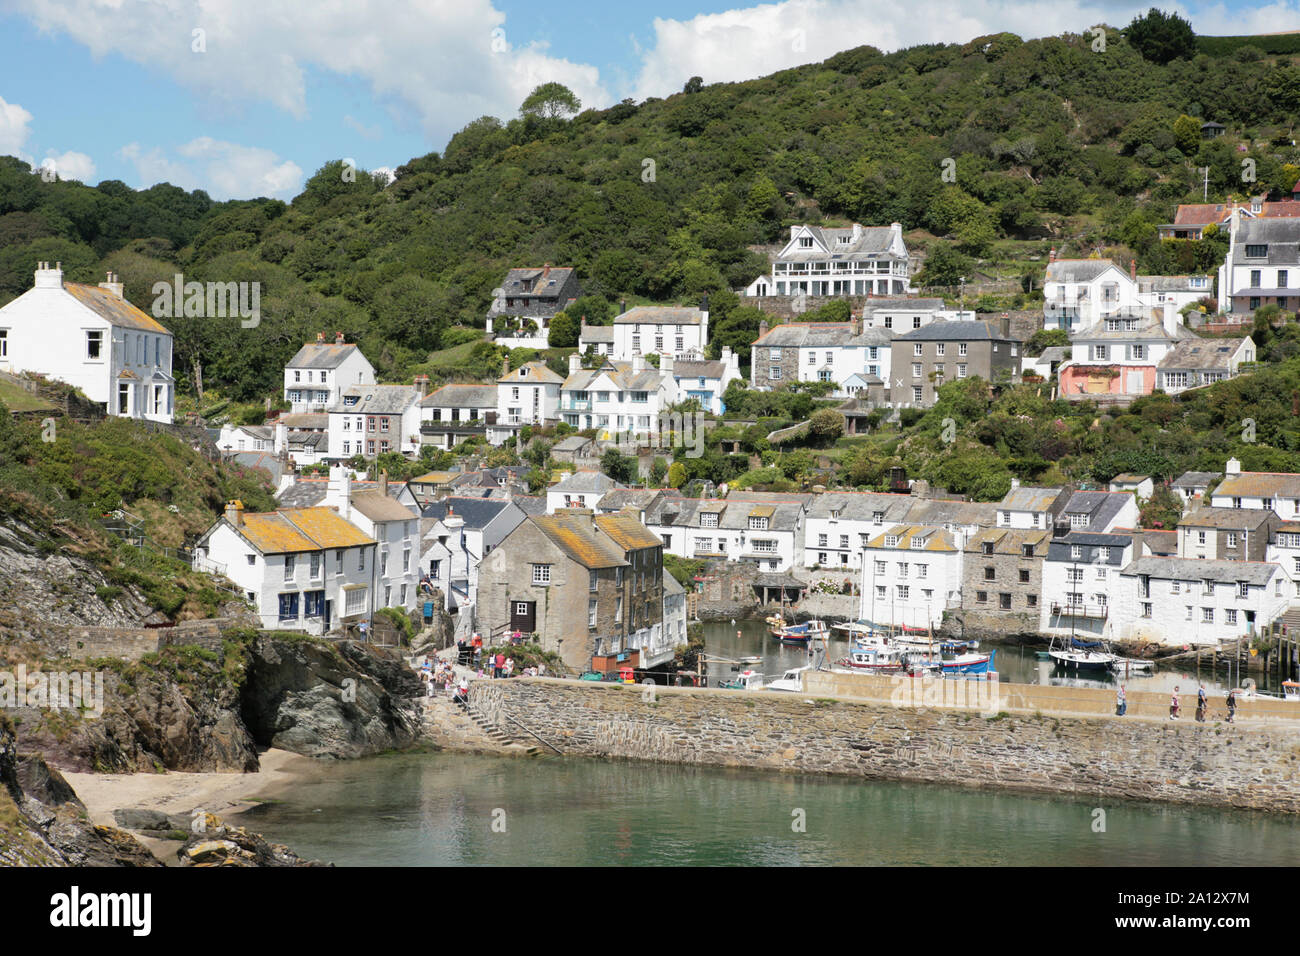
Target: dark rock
x,y
219,844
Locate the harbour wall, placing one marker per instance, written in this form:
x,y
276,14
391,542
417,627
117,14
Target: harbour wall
x,y
1021,738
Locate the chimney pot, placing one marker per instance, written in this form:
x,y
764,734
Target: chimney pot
x,y
235,512
338,338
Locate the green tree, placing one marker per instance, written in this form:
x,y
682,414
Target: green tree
x,y
1187,134
620,467
551,101
1161,37
694,85
944,265
564,331
825,425
676,474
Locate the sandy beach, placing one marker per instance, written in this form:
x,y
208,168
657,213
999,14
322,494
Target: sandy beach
x,y
174,792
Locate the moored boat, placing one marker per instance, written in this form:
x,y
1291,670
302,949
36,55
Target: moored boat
x,y
801,634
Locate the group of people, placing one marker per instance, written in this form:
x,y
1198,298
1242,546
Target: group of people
x,y
1175,705
441,676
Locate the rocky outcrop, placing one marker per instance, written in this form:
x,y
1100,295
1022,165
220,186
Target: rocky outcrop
x,y
348,700
218,844
42,823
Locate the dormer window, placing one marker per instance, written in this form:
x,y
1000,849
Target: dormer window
x,y
891,541
709,519
918,544
757,524
805,242
987,547
1257,251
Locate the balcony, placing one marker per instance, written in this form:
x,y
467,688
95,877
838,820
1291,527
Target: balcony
x,y
1084,610
474,426
576,405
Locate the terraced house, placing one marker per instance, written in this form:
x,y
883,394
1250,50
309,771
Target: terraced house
x,y
819,352
1278,492
452,413
766,530
583,586
911,574
1002,579
372,419
940,352
303,569
315,377
617,398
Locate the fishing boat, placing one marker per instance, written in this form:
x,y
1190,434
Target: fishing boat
x,y
1083,655
1132,665
745,680
874,659
856,629
968,664
791,680
801,634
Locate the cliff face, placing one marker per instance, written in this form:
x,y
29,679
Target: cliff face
x,y
42,823
325,701
190,709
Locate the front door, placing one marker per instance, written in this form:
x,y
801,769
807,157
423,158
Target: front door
x,y
329,609
523,616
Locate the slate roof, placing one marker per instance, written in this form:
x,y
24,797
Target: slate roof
x,y
1026,498
1078,270
1233,519
1197,479
268,461
531,373
1173,284
1147,327
1260,484
1258,573
586,482
461,396
308,492
902,304
1215,354
873,242
963,331
572,443
649,379
823,335
306,421
691,368
378,399
660,315
621,498
1008,540
597,333
936,539
321,355
113,309
475,512
1101,506
861,506
672,586
1280,235
1161,543
514,283
530,504
379,507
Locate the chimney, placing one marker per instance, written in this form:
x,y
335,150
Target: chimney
x,y
546,271
622,306
1170,319
1133,269
110,284
762,327
1015,483
857,231
505,367
422,384
47,278
235,513
320,338
575,363
338,338
666,364
1004,325
1051,254
338,493
638,362
383,482
1233,467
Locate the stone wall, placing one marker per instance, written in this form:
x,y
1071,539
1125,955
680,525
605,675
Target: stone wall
x,y
130,643
1045,748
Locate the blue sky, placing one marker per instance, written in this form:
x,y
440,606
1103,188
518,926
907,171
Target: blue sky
x,y
248,97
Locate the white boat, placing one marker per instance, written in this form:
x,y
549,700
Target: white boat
x,y
1082,655
791,680
1132,665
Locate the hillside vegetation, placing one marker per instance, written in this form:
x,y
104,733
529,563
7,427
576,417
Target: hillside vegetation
x,y
1052,142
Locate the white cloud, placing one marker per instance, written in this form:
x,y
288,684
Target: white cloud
x,y
745,43
443,62
71,165
225,170
13,129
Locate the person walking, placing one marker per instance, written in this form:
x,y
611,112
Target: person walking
x,y
498,665
1121,702
1232,703
1173,705
1202,703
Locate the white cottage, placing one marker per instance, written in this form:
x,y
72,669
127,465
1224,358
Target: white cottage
x,y
92,338
315,377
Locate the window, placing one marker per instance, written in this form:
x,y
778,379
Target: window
x,y
591,613
593,578
940,348
1026,550
1256,252
961,348
289,606
917,394
961,370
1074,575
981,597
1231,539
844,540
541,574
1243,589
902,569
288,567
922,570
1138,351
903,591
1079,520
1004,601
891,541
774,373
987,547
1076,552
916,348
812,358
880,566
94,344
1024,575
1200,537
361,554
774,355
1189,612
1031,600
990,574
916,370
315,565
708,519
4,343
877,517
1207,615
1146,609
383,566
1230,615
1101,574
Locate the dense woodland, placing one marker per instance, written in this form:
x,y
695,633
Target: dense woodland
x,y
1054,143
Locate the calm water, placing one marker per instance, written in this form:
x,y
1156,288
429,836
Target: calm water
x,y
1013,662
439,809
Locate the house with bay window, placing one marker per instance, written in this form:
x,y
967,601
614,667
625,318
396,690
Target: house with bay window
x,y
315,377
851,260
92,338
617,397
302,569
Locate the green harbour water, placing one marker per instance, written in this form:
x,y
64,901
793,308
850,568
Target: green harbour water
x,y
439,809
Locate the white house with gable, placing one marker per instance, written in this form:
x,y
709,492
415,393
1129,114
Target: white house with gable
x,y
853,260
92,338
315,377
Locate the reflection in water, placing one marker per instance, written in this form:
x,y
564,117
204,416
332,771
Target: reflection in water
x,y
438,809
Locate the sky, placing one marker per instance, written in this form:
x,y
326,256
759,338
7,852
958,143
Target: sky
x,y
246,98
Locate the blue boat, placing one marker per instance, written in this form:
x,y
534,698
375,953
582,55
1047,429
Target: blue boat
x,y
969,664
800,634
